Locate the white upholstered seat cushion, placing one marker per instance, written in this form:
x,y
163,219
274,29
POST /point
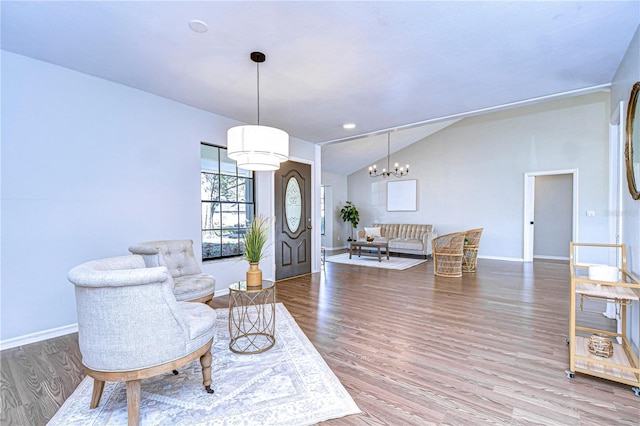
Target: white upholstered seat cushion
x,y
191,287
200,320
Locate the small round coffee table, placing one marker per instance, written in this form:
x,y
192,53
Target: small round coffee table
x,y
252,317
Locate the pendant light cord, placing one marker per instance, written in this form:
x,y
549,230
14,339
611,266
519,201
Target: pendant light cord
x,y
258,86
388,151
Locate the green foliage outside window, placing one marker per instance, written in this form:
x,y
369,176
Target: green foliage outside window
x,y
228,203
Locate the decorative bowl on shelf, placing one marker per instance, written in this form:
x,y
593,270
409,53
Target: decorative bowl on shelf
x,y
600,345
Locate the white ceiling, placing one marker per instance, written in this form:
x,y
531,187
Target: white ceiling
x,y
381,65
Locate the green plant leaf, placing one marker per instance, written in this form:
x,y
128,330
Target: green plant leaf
x,y
255,239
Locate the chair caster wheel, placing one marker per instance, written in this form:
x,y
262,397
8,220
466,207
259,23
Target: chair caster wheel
x,y
175,372
636,390
208,389
570,374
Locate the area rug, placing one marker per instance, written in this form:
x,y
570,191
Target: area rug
x,y
369,260
290,384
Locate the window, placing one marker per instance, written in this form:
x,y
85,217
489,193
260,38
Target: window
x,y
322,210
228,203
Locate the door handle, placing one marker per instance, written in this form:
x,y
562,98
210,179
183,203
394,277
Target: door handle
x,y
309,227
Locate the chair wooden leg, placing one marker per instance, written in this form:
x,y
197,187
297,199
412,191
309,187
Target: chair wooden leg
x,y
205,362
133,402
98,387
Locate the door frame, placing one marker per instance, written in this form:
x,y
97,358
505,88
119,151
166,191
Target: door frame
x,y
616,174
616,189
529,201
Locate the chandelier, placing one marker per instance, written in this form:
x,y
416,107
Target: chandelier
x,y
397,171
256,147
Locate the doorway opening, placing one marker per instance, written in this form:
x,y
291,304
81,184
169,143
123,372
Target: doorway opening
x,y
546,193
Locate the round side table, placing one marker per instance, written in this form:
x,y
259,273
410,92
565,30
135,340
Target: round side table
x,y
252,317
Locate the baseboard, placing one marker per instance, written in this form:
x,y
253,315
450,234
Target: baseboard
x,y
551,257
508,259
38,336
335,248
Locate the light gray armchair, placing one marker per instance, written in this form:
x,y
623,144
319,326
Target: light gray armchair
x,y
191,284
131,327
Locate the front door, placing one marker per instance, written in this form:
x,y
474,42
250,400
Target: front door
x,y
293,220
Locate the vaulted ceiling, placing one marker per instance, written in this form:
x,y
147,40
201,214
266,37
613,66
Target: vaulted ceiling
x,y
416,65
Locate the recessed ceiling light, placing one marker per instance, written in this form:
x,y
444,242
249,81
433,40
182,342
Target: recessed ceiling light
x,y
349,126
198,26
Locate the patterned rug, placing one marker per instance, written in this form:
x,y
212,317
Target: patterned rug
x,y
371,260
290,384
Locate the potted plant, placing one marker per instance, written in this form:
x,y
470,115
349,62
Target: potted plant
x,y
254,241
349,213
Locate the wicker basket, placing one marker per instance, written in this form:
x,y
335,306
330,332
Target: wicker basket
x,y
600,345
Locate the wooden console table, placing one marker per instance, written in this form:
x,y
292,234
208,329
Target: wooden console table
x,y
623,365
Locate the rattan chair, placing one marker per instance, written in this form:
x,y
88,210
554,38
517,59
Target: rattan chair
x,y
471,245
447,254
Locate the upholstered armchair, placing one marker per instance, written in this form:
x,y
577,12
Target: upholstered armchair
x,y
447,254
470,252
190,283
131,327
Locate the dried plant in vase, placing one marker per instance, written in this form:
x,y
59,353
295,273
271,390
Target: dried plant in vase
x,y
254,241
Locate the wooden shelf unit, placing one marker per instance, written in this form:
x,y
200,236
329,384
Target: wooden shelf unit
x,y
624,365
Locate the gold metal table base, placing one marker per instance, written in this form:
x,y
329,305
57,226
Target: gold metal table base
x,y
252,317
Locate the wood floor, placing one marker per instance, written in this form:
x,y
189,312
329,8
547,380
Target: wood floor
x,y
411,349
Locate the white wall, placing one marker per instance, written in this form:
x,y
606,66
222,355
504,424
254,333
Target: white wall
x,y
90,167
471,174
336,231
628,73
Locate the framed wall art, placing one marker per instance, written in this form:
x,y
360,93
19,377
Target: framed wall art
x,y
402,196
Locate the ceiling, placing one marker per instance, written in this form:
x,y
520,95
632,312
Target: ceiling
x,y
416,65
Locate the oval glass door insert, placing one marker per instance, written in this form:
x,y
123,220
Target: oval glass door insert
x,y
293,204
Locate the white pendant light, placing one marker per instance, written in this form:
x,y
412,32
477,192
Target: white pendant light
x,y
256,147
